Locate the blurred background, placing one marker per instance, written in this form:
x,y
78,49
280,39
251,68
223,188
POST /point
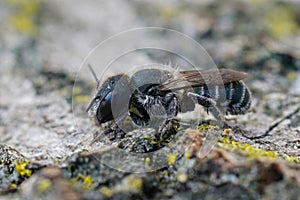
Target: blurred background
x,y
43,43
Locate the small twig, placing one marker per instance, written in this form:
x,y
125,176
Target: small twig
x,y
275,124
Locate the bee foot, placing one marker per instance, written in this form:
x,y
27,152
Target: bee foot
x,y
101,135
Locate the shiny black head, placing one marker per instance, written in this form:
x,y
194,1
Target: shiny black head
x,y
100,106
101,103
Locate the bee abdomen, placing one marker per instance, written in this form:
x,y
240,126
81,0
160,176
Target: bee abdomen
x,y
238,98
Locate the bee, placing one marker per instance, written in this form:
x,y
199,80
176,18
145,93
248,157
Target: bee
x,y
153,93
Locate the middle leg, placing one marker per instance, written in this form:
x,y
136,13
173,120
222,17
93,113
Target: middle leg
x,y
211,106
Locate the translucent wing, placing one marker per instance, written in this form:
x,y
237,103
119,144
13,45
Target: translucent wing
x,y
194,78
208,144
197,78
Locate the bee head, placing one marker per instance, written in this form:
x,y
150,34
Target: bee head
x,y
100,106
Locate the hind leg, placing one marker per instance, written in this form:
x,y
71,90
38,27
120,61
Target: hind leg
x,y
211,106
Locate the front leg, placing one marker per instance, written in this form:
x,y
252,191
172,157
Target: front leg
x,y
168,129
211,106
112,131
170,125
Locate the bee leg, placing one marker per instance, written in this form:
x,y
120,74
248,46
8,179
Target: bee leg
x,y
101,135
168,128
211,106
112,132
173,106
169,125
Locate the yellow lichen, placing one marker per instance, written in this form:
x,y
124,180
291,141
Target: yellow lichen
x,y
135,183
226,132
120,169
21,168
106,191
45,185
281,21
77,90
23,24
172,158
147,160
182,177
82,99
247,149
207,127
153,142
188,155
168,13
25,16
251,151
291,76
291,159
177,128
88,181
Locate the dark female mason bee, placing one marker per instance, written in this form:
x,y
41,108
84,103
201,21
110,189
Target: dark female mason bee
x,y
153,93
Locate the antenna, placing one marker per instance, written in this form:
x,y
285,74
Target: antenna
x,y
97,86
94,75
